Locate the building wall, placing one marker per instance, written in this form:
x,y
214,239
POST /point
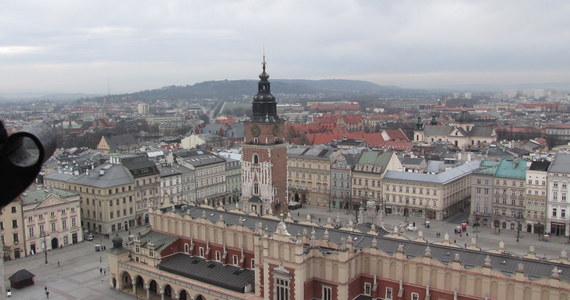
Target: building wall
x,y
99,209
535,206
557,204
12,230
64,216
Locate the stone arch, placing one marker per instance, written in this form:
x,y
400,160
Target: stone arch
x,y
183,295
433,276
494,289
153,287
419,275
463,283
447,280
200,297
114,282
125,282
510,291
167,290
139,285
478,286
366,266
527,295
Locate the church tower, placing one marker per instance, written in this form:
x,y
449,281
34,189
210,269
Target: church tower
x,y
264,155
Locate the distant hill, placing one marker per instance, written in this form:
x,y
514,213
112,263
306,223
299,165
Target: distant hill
x,y
236,90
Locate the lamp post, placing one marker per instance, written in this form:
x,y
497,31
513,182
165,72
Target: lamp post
x,y
44,246
518,230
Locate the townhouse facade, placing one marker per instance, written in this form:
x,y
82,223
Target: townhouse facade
x,y
52,219
147,182
432,196
557,193
107,197
209,173
367,176
536,187
506,181
309,170
12,230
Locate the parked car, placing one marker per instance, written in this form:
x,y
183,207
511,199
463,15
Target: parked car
x,y
89,237
411,227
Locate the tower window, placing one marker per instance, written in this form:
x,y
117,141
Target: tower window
x,y
255,159
256,189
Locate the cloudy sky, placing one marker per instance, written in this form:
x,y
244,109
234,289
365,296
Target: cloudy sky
x,y
131,45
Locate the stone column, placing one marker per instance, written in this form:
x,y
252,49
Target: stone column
x,y
161,291
134,286
147,287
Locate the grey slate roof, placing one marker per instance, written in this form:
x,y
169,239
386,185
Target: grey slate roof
x,y
215,273
441,178
481,131
561,164
539,166
140,166
159,240
20,275
124,141
314,152
507,264
198,158
437,130
103,176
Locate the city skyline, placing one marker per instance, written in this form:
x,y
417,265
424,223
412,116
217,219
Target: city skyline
x,y
103,47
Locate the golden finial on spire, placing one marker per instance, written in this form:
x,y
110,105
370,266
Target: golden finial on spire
x,y
263,63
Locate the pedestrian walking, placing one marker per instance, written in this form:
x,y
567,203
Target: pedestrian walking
x,y
45,288
58,263
101,270
104,271
47,294
100,259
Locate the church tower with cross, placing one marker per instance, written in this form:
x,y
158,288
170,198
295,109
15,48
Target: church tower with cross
x,y
264,155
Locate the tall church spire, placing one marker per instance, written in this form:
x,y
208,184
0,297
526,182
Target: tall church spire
x,y
264,104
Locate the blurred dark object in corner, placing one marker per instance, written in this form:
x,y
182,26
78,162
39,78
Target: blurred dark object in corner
x,y
21,157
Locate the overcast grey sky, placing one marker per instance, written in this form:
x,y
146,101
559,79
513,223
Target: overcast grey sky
x,y
78,46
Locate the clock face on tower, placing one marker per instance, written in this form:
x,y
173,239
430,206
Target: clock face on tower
x,y
276,130
255,130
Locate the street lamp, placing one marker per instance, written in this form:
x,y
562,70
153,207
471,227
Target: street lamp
x,y
44,246
518,230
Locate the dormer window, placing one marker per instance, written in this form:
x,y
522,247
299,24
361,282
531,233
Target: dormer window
x,y
255,159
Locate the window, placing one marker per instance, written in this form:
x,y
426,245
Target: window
x,y
252,263
388,294
16,239
14,223
13,209
31,231
73,222
281,289
64,224
554,212
255,159
327,293
186,248
235,260
52,226
201,252
367,288
415,296
42,231
218,256
563,213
